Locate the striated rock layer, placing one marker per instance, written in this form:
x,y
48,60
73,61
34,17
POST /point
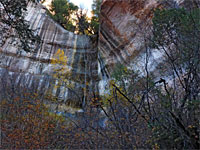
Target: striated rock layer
x,y
34,70
124,26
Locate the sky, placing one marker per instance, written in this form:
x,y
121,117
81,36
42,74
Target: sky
x,y
86,4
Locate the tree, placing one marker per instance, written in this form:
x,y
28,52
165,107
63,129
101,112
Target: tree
x,y
12,18
64,79
75,19
96,14
89,26
167,108
175,121
62,11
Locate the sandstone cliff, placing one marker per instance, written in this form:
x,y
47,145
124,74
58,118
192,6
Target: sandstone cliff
x,y
124,27
123,24
34,70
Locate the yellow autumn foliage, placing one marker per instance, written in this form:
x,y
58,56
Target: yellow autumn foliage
x,y
61,71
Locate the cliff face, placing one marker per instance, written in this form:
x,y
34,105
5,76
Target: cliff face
x,y
125,25
33,71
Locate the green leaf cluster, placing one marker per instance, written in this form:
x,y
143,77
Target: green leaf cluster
x,y
75,19
175,24
62,11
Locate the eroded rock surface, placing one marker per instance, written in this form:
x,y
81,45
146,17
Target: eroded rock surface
x,y
123,29
33,70
124,26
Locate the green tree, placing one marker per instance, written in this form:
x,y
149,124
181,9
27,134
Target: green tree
x,y
87,25
75,19
168,109
96,14
62,11
82,23
176,33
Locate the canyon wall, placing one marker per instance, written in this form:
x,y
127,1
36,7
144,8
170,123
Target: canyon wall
x,y
124,26
124,29
34,70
